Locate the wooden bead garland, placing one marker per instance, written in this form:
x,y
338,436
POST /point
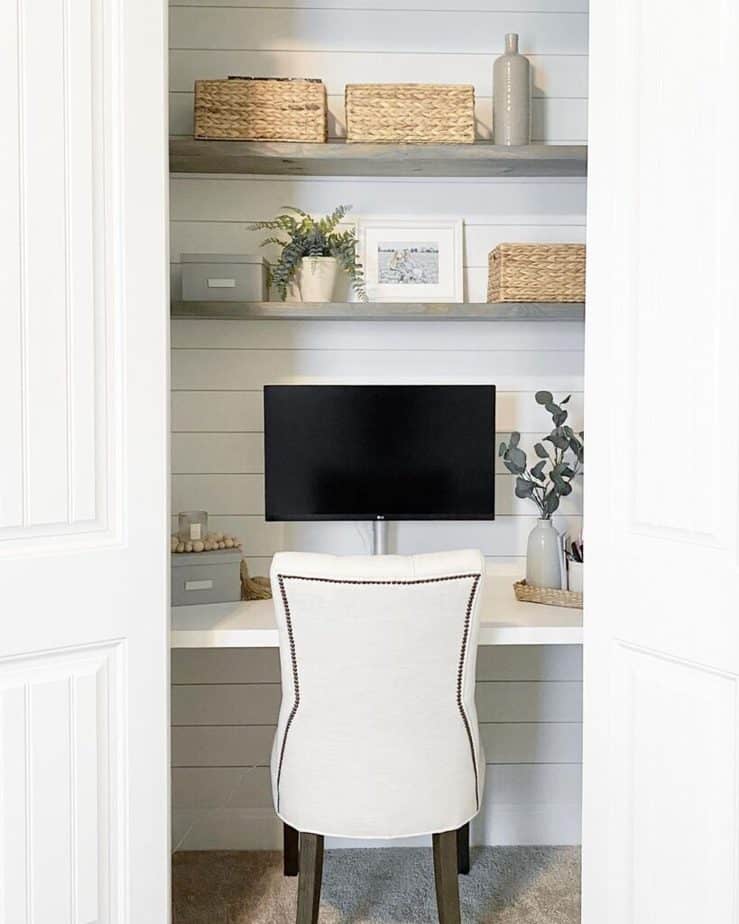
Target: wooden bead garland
x,y
212,542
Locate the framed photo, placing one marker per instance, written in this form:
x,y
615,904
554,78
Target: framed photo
x,y
412,259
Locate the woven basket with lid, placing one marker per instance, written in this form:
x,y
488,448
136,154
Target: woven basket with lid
x,y
260,109
414,113
537,273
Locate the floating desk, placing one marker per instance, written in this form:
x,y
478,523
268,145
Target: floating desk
x,y
503,621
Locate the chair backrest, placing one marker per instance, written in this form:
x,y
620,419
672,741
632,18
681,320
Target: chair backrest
x,y
377,734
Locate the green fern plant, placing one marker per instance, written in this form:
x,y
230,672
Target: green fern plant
x,y
311,237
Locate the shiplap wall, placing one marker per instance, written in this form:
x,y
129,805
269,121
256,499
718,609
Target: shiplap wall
x,y
224,709
358,41
224,703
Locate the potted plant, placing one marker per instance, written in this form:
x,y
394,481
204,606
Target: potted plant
x,y
312,254
544,483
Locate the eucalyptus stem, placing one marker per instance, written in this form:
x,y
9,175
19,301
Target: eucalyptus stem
x,y
546,487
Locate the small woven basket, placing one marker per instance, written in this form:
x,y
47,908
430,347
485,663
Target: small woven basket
x,y
254,588
260,109
416,113
537,273
549,595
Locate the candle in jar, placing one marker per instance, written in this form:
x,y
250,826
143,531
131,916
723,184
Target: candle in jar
x,y
193,526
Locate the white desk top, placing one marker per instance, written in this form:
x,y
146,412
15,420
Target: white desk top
x,y
504,621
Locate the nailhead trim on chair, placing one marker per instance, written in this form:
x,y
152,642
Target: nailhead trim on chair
x,y
436,580
296,680
281,578
460,680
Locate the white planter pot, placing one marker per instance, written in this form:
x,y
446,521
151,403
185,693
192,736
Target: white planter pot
x,y
544,556
317,279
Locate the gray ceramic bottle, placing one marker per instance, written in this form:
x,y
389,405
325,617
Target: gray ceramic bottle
x,y
512,95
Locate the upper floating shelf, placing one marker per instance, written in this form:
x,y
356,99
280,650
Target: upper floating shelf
x,y
337,158
379,311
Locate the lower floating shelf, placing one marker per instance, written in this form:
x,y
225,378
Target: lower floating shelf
x,y
380,311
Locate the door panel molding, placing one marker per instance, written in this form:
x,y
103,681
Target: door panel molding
x,y
60,329
676,325
62,777
673,754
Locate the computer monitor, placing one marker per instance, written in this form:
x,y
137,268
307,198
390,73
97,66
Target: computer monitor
x,y
379,452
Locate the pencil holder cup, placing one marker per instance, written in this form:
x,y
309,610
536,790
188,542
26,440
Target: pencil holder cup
x,y
574,580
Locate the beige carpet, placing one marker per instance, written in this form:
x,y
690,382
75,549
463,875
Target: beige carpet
x,y
507,885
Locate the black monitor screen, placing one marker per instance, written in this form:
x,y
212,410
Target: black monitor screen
x,y
363,452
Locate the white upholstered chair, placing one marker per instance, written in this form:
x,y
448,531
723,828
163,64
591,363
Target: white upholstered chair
x,y
377,734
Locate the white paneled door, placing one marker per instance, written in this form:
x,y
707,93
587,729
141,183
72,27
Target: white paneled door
x,y
83,461
661,828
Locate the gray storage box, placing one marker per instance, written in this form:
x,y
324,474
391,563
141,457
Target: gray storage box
x,y
223,277
206,577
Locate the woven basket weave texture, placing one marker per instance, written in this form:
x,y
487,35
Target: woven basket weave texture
x,y
415,113
537,273
551,596
257,109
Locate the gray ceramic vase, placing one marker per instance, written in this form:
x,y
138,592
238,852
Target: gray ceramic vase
x,y
544,556
512,95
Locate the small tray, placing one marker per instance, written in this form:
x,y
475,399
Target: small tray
x,y
548,595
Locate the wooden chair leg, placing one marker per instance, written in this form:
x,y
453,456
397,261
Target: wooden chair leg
x,y
309,881
445,873
463,849
290,844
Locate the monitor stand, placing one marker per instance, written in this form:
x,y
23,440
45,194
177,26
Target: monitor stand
x,y
379,537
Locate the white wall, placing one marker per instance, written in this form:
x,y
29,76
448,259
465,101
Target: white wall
x,y
531,698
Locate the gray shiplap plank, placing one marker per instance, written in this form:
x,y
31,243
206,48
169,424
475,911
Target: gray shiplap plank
x,y
258,703
225,665
251,745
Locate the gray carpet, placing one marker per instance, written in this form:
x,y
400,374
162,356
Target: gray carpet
x,y
507,885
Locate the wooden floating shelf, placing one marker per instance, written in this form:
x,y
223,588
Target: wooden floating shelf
x,y
337,158
379,311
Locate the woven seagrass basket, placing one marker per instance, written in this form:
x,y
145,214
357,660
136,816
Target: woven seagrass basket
x,y
549,595
416,113
537,273
260,109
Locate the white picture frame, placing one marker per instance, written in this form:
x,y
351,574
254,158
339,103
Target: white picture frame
x,y
412,259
